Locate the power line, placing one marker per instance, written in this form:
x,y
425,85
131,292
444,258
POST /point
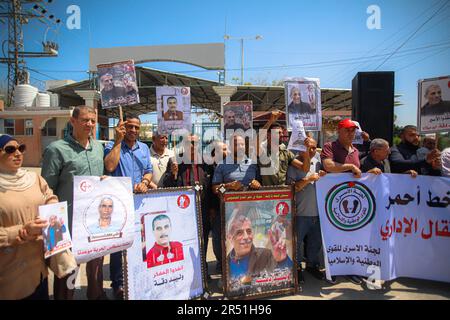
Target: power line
x,y
378,47
413,34
422,59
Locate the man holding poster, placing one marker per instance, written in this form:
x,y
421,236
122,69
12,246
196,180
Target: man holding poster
x,y
127,157
62,161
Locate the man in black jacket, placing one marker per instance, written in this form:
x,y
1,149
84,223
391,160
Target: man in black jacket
x,y
404,156
191,173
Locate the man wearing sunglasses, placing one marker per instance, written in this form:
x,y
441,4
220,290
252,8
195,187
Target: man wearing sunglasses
x,y
75,155
127,157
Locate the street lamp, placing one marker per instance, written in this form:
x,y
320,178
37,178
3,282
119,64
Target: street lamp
x,y
228,37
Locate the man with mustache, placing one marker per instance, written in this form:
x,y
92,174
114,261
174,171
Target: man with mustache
x,y
245,260
172,113
163,251
109,91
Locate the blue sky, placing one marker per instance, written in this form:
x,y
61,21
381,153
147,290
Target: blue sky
x,y
324,39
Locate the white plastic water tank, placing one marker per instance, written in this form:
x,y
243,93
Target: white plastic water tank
x,y
54,100
24,95
42,100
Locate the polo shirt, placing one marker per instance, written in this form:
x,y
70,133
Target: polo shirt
x,y
244,171
133,163
336,152
159,163
66,158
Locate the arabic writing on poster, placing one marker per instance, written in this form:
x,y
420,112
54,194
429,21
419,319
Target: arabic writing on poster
x,y
104,248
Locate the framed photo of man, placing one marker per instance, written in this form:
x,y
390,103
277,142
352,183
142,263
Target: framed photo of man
x,y
258,243
117,83
237,115
303,103
173,106
434,105
166,259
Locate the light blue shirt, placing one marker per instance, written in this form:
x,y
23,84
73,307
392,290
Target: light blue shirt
x,y
244,172
133,163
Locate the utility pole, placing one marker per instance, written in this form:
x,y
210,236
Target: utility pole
x,y
16,15
228,37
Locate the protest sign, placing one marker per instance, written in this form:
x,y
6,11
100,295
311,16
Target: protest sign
x,y
56,235
103,216
237,115
434,105
258,243
298,136
165,261
358,134
173,107
303,102
385,226
117,82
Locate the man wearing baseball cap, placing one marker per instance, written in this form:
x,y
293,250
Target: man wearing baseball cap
x,y
342,156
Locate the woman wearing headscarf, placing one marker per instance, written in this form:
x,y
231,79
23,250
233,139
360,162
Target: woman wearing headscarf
x,y
23,270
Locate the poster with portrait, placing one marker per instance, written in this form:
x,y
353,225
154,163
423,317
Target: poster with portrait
x,y
56,235
303,102
298,136
237,115
173,107
117,83
434,105
103,216
165,261
358,134
258,243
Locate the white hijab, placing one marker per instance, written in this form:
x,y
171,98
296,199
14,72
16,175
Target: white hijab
x,y
20,181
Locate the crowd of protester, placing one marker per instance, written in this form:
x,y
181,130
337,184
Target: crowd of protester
x,y
23,270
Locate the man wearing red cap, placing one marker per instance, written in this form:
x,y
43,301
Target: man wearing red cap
x,y
340,155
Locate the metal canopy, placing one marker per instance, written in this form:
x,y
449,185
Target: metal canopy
x,y
265,98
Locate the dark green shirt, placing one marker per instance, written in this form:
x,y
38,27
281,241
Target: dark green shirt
x,y
66,158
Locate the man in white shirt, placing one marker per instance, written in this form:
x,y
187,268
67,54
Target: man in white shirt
x,y
160,156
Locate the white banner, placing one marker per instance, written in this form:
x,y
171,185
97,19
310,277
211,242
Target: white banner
x,y
385,226
164,262
103,216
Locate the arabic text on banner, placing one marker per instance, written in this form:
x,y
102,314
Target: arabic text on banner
x,y
391,225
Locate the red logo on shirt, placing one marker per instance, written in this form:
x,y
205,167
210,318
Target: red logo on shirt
x,y
282,209
183,201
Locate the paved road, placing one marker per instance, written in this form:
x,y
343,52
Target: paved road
x,y
312,289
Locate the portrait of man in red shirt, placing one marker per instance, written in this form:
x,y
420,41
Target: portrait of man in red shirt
x,y
163,251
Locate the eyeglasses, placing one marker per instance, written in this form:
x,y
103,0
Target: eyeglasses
x,y
12,149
